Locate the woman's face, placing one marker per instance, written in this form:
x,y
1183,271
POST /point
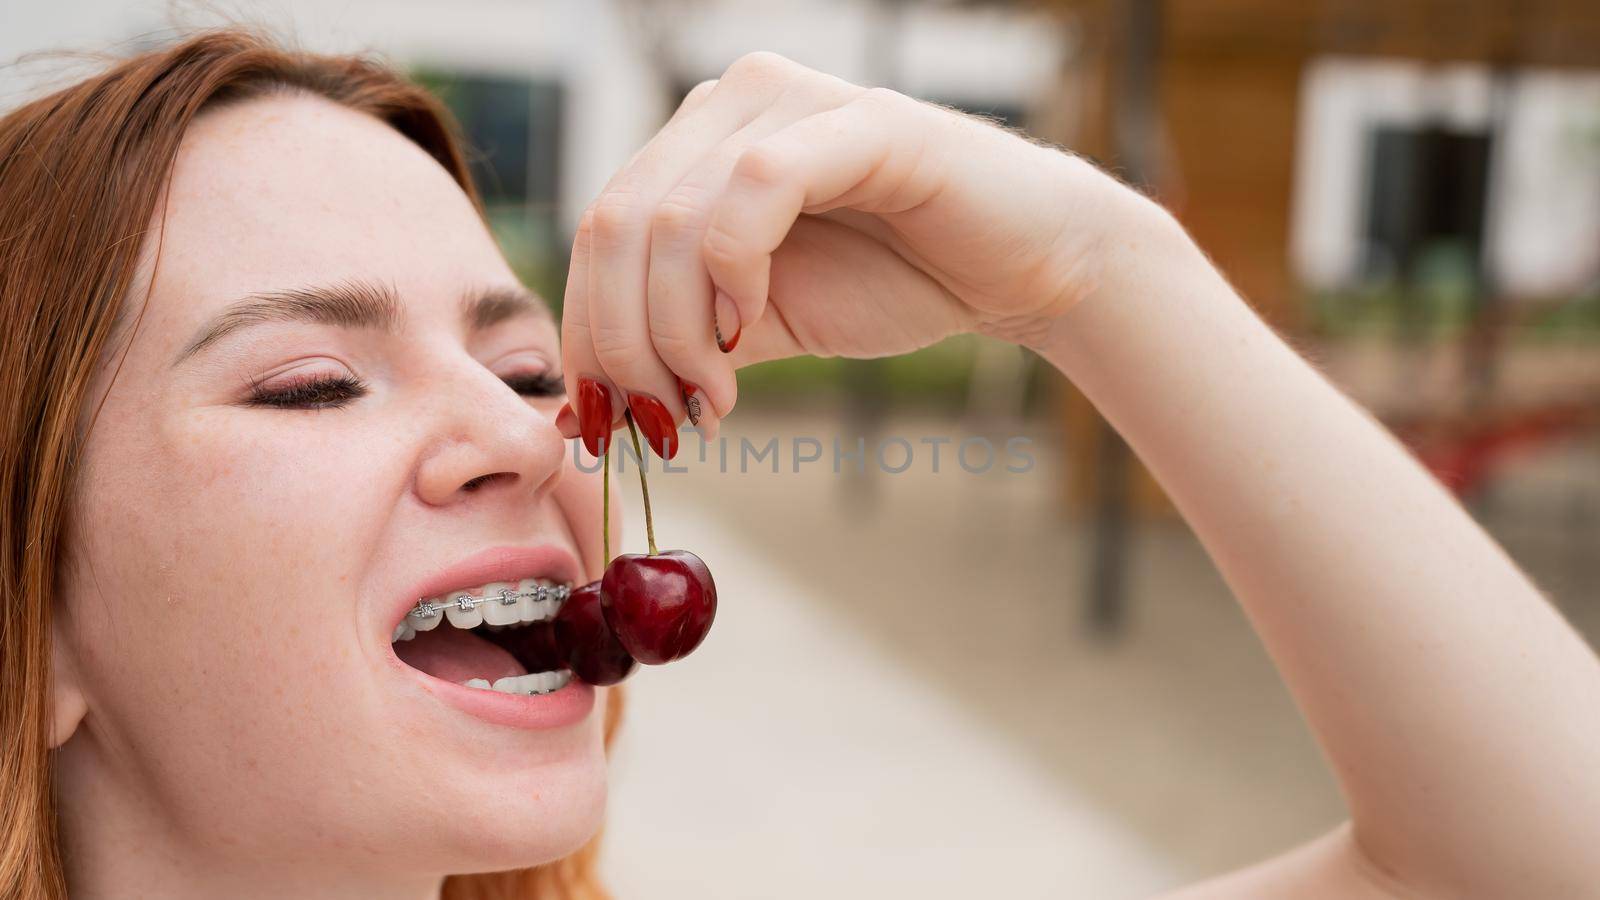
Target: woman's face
x,y
238,568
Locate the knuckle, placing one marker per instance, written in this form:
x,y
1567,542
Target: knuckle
x,y
759,164
672,339
721,248
760,66
586,221
613,217
698,93
613,346
585,232
574,331
677,215
882,98
881,95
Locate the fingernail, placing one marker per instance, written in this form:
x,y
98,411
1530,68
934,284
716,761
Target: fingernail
x,y
656,424
726,322
594,415
693,400
567,421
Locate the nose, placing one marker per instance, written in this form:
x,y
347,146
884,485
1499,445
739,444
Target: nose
x,y
486,438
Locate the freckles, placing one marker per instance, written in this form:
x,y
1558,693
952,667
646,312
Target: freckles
x,y
209,469
200,454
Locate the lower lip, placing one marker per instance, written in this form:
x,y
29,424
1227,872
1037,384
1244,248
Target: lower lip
x,y
533,712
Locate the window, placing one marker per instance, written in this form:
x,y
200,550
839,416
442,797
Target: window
x,y
1426,194
513,128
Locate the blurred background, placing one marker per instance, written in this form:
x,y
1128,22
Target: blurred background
x,y
932,677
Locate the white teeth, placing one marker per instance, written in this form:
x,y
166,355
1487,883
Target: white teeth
x,y
462,618
487,610
544,609
477,683
526,611
531,610
495,612
532,683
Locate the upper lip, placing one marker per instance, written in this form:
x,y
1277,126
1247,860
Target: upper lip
x,y
507,563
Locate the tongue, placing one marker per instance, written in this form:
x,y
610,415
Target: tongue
x,y
453,654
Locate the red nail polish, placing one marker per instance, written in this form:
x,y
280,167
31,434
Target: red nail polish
x,y
656,424
725,311
594,414
690,401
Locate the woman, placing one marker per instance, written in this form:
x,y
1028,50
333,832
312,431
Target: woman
x,y
269,381
217,519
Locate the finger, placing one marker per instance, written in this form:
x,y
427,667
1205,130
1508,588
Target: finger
x,y
567,422
833,289
736,110
870,154
693,100
591,399
681,328
757,96
702,415
621,354
678,292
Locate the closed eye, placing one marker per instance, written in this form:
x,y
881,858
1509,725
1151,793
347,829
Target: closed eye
x,y
537,384
339,391
308,393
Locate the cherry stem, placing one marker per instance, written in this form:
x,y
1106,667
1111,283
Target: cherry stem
x,y
644,486
605,501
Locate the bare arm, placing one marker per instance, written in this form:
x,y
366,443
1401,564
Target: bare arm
x,y
782,211
1460,711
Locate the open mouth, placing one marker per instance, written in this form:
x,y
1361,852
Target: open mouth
x,y
498,636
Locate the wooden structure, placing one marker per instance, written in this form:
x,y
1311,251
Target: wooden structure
x,y
1198,101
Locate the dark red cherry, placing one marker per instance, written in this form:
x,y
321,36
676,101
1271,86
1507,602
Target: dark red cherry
x,y
584,639
660,607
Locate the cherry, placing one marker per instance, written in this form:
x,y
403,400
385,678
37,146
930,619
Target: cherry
x,y
659,606
652,608
585,640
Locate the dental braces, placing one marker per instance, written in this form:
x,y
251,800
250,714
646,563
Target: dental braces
x,y
507,597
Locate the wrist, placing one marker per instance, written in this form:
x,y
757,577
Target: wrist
x,y
1139,260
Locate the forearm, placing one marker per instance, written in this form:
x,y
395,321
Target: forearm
x,y
1461,713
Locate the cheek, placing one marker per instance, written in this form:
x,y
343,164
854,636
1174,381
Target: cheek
x,y
264,530
219,602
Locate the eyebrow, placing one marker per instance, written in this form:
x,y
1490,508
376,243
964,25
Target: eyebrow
x,y
357,303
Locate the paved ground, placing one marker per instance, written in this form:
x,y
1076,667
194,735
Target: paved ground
x,y
899,698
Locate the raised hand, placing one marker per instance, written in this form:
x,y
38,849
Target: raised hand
x,y
782,211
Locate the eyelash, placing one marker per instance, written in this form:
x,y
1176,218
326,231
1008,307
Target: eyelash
x,y
339,391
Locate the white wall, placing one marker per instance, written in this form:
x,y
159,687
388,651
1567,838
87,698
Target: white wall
x,y
1543,228
1545,236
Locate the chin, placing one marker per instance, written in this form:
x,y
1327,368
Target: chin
x,y
542,816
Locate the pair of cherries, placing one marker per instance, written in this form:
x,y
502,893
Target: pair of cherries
x,y
650,608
